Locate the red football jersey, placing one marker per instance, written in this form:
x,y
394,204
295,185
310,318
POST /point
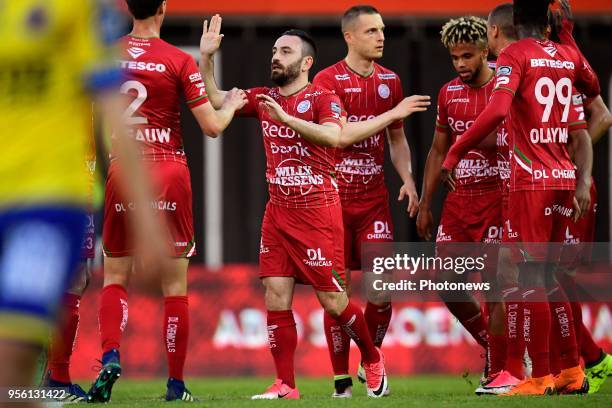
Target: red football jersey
x,y
458,107
300,174
540,75
360,167
158,75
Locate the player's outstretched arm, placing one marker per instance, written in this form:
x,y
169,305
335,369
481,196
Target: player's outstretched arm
x,y
486,123
600,118
583,158
326,134
210,42
214,121
399,151
355,132
431,178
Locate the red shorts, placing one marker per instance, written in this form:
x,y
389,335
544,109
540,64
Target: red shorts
x,y
538,217
88,250
172,192
303,243
471,218
365,221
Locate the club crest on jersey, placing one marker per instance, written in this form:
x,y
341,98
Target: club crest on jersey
x,y
135,52
455,87
386,76
303,106
343,77
384,91
503,70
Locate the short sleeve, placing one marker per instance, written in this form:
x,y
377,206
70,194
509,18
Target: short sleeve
x,y
329,109
586,80
398,95
250,109
192,84
442,115
576,119
508,73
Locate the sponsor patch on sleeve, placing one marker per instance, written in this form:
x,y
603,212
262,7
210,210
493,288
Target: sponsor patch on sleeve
x,y
336,110
503,70
577,99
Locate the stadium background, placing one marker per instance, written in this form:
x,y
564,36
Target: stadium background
x,y
228,334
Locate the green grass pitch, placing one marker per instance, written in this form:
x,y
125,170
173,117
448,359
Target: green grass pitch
x,y
417,391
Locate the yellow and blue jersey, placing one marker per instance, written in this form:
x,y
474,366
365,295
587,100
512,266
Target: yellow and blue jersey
x,y
52,53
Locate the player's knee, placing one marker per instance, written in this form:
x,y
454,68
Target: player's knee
x,y
277,299
333,303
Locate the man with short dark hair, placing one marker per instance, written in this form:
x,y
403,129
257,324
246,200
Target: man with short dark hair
x,y
158,76
301,238
373,98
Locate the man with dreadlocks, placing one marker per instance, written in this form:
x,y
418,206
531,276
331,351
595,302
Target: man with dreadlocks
x,y
534,84
472,210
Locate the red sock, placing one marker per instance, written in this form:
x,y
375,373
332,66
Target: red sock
x,y
176,334
537,329
589,350
282,335
577,313
353,323
497,352
62,342
562,329
568,283
477,327
113,316
377,318
338,344
553,344
515,340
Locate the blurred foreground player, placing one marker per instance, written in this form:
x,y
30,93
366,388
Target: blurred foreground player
x,y
302,230
375,107
534,83
44,190
158,75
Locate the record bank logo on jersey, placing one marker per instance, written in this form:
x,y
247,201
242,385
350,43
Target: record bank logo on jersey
x,y
294,177
359,167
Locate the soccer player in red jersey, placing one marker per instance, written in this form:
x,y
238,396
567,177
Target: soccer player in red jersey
x,y
158,76
598,364
534,83
302,230
372,98
472,212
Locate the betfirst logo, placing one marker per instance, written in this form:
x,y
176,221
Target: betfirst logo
x,y
292,175
272,130
316,258
459,126
143,66
549,63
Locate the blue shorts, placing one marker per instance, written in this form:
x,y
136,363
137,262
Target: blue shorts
x,y
40,247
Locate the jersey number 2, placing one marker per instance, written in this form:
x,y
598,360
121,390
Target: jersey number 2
x,y
141,95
